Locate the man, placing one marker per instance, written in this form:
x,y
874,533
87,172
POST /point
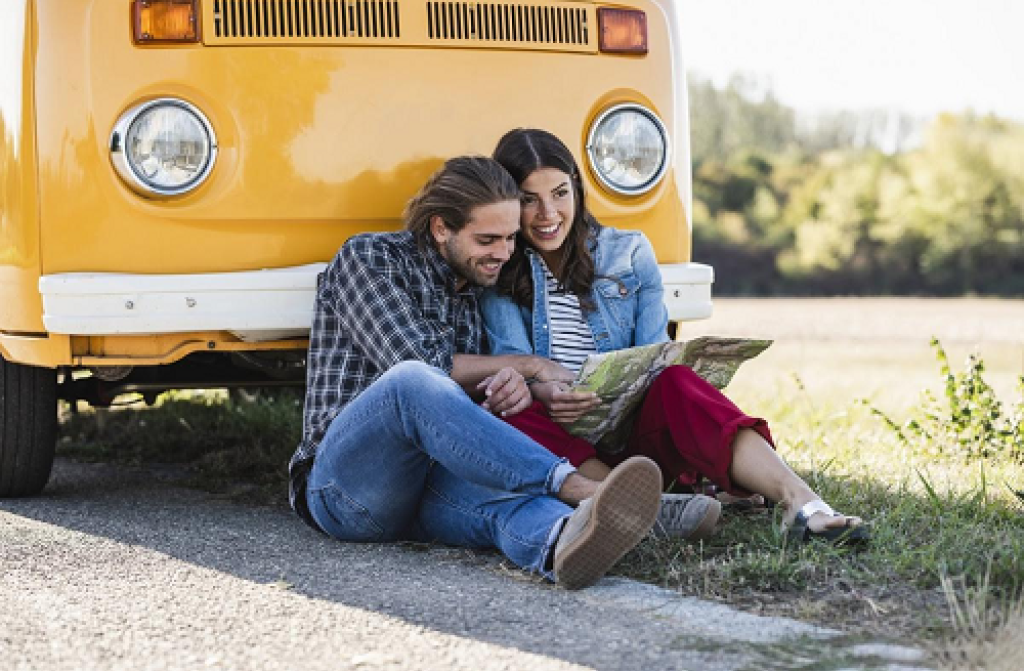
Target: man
x,y
395,445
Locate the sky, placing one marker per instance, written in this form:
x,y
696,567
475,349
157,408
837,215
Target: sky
x,y
920,57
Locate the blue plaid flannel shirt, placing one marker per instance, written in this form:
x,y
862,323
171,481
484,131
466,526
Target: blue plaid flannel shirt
x,y
381,301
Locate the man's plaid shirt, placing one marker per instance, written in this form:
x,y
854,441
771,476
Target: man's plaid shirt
x,y
381,301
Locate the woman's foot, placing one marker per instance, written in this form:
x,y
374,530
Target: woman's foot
x,y
815,519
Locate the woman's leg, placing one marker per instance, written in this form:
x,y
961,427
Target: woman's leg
x,y
689,427
687,516
757,467
537,424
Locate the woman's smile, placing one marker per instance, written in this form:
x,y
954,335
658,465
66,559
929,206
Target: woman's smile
x,y
549,206
547,232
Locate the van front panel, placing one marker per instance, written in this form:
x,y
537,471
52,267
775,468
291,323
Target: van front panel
x,y
317,141
20,307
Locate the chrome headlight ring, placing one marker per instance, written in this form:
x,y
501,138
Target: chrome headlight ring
x,y
625,187
170,173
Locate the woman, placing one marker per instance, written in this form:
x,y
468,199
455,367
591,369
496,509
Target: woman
x,y
574,287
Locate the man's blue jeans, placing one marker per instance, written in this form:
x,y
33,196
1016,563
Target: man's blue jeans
x,y
413,457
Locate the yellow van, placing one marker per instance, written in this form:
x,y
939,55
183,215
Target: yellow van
x,y
175,173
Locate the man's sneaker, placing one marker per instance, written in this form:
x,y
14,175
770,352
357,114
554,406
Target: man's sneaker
x,y
608,524
687,516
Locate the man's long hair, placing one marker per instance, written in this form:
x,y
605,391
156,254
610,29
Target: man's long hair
x,y
454,191
523,151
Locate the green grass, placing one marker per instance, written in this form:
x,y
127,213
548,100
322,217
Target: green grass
x,y
234,448
947,521
948,524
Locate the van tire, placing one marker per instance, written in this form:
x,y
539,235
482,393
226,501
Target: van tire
x,y
28,428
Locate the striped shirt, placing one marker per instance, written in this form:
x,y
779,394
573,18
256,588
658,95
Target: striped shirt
x,y
571,339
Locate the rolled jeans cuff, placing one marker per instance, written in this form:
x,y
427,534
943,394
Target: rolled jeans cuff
x,y
558,474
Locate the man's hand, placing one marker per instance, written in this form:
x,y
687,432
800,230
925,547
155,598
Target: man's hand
x,y
505,393
564,405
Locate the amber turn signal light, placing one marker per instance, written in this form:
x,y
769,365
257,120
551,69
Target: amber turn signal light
x,y
622,31
165,21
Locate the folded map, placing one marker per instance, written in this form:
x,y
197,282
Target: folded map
x,y
621,379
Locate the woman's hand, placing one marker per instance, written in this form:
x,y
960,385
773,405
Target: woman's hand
x,y
505,393
552,371
564,405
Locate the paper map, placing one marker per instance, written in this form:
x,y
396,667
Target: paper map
x,y
621,379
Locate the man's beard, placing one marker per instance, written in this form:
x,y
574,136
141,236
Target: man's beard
x,y
464,267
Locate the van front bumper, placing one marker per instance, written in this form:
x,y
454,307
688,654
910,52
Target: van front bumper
x,y
254,306
687,290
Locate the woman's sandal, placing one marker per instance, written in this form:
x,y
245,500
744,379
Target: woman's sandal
x,y
798,531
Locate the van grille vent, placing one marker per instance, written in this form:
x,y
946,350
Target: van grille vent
x,y
502,22
292,19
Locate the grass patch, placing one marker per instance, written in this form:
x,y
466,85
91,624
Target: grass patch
x,y
944,499
986,635
947,517
233,447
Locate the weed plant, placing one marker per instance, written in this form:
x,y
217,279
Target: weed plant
x,y
969,423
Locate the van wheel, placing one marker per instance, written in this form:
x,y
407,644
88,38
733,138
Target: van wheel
x,y
28,428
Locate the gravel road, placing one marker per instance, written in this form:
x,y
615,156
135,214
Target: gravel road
x,y
121,568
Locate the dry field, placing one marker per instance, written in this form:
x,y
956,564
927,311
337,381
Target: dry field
x,y
844,349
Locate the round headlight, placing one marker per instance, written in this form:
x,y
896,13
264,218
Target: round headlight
x,y
163,147
628,149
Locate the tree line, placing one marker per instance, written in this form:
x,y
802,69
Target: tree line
x,y
869,203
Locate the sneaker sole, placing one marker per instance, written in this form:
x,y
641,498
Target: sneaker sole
x,y
624,510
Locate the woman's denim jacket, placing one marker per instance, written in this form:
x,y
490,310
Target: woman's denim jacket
x,y
627,292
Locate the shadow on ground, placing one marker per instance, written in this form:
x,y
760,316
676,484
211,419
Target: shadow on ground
x,y
617,625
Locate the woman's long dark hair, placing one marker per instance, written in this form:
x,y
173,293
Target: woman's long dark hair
x,y
521,152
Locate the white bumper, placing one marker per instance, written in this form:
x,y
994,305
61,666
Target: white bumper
x,y
253,305
687,290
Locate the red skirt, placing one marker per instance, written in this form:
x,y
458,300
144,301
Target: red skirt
x,y
684,424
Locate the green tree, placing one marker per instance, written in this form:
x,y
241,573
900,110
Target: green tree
x,y
838,208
